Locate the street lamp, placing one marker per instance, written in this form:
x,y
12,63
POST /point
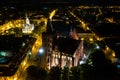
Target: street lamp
x,y
41,51
97,47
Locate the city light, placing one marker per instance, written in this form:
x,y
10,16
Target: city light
x,y
41,51
74,16
52,14
97,47
24,63
15,78
91,39
82,39
113,54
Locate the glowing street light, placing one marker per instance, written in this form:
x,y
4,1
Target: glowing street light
x,y
52,14
97,47
41,51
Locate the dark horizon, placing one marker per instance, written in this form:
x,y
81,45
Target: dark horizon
x,y
65,2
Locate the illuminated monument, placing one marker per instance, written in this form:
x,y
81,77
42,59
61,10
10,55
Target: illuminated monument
x,y
27,27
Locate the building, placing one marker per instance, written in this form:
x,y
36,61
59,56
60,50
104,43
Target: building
x,y
27,27
65,51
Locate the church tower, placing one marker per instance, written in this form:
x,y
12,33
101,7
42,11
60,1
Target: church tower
x,y
48,40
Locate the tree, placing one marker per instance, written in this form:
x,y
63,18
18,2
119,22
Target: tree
x,y
55,73
43,74
86,72
75,72
102,67
34,72
65,73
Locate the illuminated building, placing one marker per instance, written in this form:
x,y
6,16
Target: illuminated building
x,y
27,27
47,45
64,51
47,40
61,59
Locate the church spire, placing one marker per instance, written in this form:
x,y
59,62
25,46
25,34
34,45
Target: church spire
x,y
49,26
27,19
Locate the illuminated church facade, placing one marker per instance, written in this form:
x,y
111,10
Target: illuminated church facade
x,y
60,51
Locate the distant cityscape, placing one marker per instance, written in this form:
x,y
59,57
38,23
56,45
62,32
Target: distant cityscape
x,y
49,35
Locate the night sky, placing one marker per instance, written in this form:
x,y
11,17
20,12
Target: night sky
x,y
84,2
